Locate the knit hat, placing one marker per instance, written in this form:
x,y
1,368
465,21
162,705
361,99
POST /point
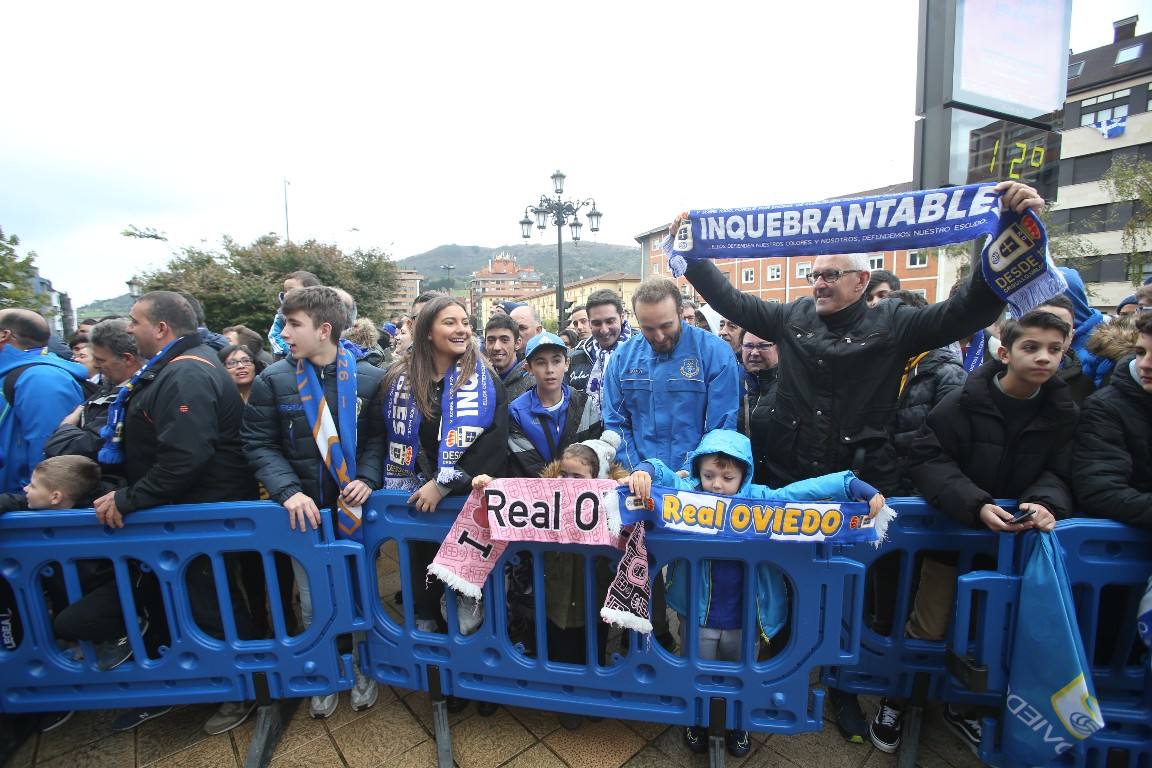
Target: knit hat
x,y
605,449
389,328
1125,302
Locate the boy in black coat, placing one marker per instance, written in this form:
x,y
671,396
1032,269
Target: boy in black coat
x,y
1007,434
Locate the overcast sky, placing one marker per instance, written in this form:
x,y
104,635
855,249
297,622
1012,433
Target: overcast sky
x,y
409,125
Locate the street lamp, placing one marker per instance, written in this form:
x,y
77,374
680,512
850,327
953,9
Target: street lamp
x,y
561,212
448,270
135,288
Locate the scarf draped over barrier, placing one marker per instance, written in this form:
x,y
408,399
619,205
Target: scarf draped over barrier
x,y
592,512
1014,261
335,438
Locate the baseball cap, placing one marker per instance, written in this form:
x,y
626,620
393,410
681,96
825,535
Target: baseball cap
x,y
545,339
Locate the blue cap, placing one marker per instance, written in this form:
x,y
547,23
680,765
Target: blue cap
x,y
544,339
389,328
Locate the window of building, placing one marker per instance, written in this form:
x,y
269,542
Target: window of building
x,y
655,267
773,272
1075,68
875,261
1105,106
654,243
917,259
748,275
802,269
1131,53
773,301
1090,167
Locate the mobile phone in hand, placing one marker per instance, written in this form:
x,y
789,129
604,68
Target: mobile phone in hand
x,y
1022,515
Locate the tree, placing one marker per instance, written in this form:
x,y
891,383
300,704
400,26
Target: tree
x,y
15,273
239,285
1130,179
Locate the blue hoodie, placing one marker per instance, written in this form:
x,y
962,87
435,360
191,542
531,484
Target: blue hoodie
x,y
45,393
1086,319
721,582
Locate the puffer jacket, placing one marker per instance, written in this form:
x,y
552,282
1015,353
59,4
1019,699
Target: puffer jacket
x,y
960,459
755,415
278,437
840,373
1112,453
930,376
771,589
532,438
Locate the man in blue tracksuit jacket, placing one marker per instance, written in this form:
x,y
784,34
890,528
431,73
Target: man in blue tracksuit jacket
x,y
665,388
44,392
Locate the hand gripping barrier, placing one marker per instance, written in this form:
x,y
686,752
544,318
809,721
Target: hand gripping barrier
x,y
647,682
194,666
1108,566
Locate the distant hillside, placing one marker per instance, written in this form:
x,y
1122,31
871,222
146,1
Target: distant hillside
x,y
121,305
581,260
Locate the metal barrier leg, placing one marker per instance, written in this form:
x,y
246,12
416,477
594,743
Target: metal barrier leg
x,y
913,718
440,719
716,747
271,719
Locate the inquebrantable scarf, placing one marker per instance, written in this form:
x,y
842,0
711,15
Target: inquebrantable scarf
x,y
600,359
335,438
465,414
112,452
1014,262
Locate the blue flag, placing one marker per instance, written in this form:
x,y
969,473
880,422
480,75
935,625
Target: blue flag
x,y
1051,705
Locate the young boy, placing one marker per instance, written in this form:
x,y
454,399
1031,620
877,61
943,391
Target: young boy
x,y
319,391
1007,434
550,416
297,279
722,464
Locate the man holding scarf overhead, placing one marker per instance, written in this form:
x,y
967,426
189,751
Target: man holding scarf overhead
x,y
306,436
840,359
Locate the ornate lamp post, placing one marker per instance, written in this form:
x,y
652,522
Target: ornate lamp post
x,y
561,212
448,271
135,288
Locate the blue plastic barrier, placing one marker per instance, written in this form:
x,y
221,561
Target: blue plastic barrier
x,y
647,683
889,661
195,667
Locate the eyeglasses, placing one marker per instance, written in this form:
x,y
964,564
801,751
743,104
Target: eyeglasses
x,y
830,275
763,346
238,362
1143,309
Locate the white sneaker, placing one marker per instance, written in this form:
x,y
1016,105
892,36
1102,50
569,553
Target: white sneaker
x,y
322,707
364,692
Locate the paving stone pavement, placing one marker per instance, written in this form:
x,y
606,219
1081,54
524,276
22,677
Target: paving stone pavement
x,y
398,732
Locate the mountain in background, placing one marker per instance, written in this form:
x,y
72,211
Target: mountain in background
x,y
120,306
582,260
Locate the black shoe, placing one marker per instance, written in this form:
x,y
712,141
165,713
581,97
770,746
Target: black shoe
x,y
848,715
696,739
50,721
571,722
738,743
456,704
967,729
113,653
486,708
886,726
135,717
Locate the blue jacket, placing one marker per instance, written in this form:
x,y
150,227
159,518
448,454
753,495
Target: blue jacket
x,y
725,581
1086,319
45,393
661,403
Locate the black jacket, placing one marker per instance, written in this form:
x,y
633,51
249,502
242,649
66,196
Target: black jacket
x,y
579,369
930,379
960,459
755,416
182,433
85,439
518,380
278,437
840,373
1112,456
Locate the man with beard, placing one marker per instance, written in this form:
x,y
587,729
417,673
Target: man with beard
x,y
665,390
609,331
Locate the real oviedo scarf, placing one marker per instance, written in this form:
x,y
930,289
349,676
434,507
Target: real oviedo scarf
x,y
335,438
465,412
112,452
1014,261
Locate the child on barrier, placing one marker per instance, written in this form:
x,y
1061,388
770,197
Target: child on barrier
x,y
723,464
299,412
1006,434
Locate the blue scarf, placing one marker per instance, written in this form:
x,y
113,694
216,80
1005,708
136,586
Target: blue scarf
x,y
112,452
599,357
338,451
464,415
1015,261
974,356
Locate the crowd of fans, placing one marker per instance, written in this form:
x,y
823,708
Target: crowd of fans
x,y
857,391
